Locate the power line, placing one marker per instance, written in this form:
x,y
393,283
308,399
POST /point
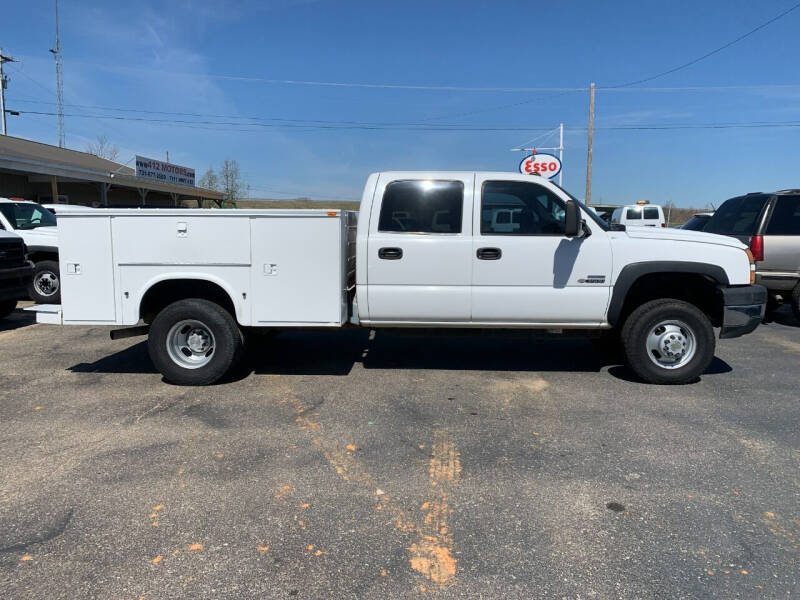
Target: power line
x,y
365,126
346,84
713,52
300,125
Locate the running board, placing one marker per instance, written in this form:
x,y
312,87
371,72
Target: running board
x,y
121,334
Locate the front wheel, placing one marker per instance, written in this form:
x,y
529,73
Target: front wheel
x,y
45,287
194,342
668,341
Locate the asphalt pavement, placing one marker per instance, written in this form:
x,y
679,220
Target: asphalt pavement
x,y
357,465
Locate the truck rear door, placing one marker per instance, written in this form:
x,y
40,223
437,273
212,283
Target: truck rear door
x,y
419,248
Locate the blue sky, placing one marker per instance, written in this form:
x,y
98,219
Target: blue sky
x,y
211,58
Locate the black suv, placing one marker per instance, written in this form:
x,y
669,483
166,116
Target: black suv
x,y
770,224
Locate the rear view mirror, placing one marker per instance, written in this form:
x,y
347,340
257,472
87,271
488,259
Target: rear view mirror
x,y
572,220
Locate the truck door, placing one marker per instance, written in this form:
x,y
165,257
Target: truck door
x,y
419,248
533,273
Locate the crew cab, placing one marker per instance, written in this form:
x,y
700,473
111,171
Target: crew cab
x,y
427,250
37,227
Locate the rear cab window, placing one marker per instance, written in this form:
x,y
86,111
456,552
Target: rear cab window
x,y
633,213
738,216
651,212
785,218
422,206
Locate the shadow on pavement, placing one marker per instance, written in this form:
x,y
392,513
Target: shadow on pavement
x,y
716,367
18,318
335,353
133,359
784,316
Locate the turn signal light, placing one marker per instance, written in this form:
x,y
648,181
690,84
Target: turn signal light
x,y
757,247
752,262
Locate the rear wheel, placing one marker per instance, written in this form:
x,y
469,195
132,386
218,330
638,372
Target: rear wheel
x,y
194,342
795,301
45,287
7,307
668,341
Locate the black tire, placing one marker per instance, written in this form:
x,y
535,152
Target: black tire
x,y
227,341
45,287
645,319
795,301
7,307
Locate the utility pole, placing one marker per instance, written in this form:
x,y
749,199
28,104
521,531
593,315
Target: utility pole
x,y
561,154
588,198
3,84
56,51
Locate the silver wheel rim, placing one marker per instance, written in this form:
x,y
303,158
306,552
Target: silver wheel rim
x,y
190,344
671,344
46,283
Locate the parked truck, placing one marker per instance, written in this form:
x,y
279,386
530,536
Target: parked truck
x,y
425,250
37,227
15,272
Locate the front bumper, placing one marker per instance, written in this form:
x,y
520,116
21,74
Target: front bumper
x,y
14,282
742,309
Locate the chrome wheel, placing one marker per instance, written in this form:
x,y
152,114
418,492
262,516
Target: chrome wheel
x,y
46,283
671,344
190,344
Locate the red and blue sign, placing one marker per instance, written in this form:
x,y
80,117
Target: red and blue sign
x,y
546,165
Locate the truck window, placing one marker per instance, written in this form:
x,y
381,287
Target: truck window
x,y
737,216
422,207
27,215
651,212
535,209
633,213
785,217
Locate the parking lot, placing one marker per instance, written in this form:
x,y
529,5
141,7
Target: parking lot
x,y
351,465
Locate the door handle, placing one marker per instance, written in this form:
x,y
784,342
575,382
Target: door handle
x,y
489,253
390,253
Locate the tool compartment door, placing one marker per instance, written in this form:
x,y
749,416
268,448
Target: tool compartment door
x,y
297,274
87,271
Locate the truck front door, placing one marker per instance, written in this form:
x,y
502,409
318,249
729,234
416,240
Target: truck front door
x,y
419,249
533,273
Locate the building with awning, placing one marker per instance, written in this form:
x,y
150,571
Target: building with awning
x,y
49,174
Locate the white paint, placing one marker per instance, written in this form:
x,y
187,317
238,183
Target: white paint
x,y
292,268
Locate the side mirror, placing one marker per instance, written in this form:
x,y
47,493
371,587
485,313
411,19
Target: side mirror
x,y
572,220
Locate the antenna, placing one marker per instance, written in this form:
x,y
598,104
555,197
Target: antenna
x,y
56,51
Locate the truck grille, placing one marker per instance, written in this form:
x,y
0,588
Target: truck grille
x,y
12,253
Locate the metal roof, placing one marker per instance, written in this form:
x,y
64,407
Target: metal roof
x,y
18,154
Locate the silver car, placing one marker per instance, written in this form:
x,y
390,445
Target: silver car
x,y
770,224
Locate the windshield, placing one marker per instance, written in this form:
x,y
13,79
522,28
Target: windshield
x,y
27,215
737,216
594,216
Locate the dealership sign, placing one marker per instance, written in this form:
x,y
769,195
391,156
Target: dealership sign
x,y
151,168
546,165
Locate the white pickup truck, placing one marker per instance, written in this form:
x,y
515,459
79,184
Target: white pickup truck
x,y
425,250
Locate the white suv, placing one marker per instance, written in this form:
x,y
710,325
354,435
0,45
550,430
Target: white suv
x,y
37,227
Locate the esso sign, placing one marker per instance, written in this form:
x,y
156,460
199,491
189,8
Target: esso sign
x,y
546,165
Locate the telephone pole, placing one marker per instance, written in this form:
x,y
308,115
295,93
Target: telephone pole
x,y
588,198
56,51
3,84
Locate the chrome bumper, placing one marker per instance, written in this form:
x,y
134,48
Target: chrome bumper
x,y
743,309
